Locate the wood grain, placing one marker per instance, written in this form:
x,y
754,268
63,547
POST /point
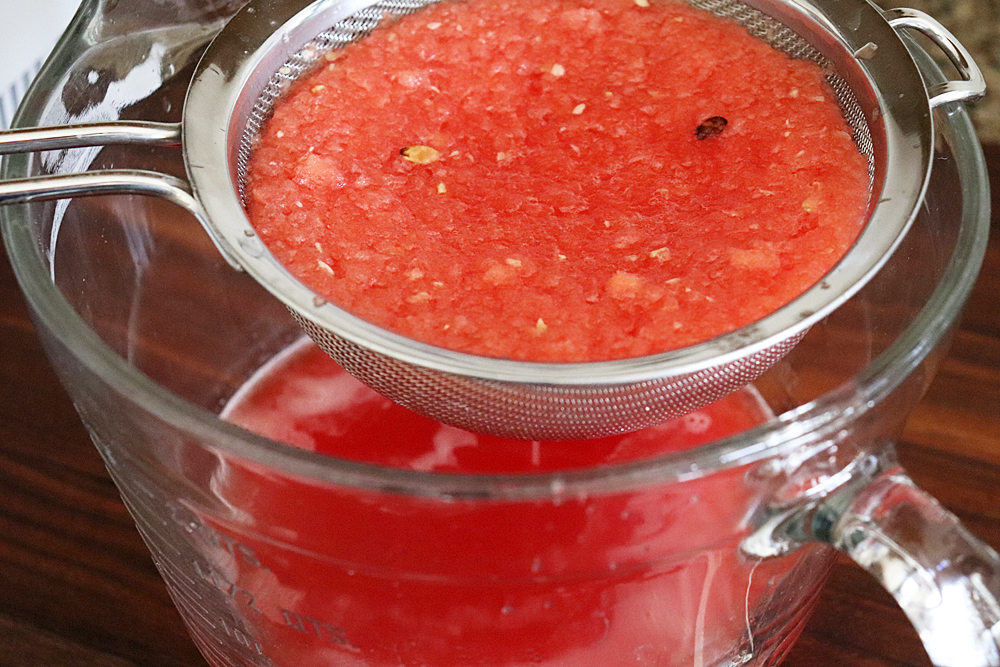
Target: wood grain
x,y
77,586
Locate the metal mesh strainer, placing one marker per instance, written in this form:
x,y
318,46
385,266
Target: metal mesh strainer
x,y
268,45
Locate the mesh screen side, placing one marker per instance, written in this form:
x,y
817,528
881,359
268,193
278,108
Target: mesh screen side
x,y
543,411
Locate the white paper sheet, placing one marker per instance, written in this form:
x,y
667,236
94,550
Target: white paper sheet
x,y
29,29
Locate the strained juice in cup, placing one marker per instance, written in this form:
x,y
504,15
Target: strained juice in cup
x,y
385,579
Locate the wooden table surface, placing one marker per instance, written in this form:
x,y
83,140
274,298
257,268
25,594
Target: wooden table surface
x,y
78,589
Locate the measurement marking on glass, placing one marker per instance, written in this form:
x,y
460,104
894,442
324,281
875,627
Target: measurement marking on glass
x,y
308,625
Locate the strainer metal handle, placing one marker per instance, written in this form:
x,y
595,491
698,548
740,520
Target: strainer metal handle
x,y
973,83
103,181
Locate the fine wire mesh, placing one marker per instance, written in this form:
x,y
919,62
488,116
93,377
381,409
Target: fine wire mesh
x,y
541,411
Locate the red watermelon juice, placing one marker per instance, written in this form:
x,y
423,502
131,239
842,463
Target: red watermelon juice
x,y
404,572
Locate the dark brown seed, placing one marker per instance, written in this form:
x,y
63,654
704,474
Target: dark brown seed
x,y
711,127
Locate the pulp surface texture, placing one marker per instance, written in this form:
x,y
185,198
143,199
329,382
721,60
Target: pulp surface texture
x,y
572,180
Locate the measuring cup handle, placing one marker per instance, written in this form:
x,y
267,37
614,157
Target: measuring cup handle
x,y
945,579
973,83
104,181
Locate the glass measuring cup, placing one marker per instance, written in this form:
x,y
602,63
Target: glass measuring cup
x,y
277,556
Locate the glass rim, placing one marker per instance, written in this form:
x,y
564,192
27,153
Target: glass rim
x,y
814,421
